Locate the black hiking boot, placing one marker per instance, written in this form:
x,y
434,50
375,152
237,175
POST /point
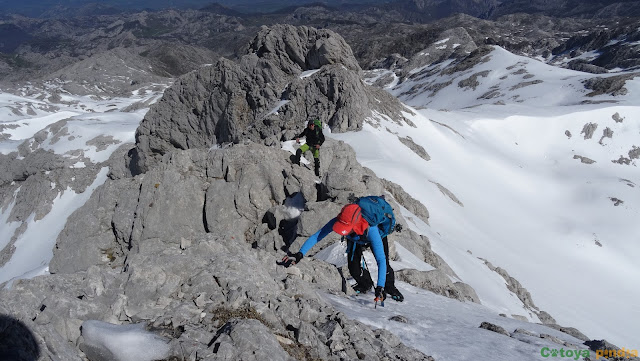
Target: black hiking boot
x,y
317,166
361,289
296,159
395,294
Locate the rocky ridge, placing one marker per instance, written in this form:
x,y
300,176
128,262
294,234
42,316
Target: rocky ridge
x,y
230,101
177,246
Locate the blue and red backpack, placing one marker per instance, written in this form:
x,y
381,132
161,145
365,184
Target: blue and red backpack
x,y
377,212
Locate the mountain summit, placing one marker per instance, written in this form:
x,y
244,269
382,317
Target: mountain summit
x,y
288,75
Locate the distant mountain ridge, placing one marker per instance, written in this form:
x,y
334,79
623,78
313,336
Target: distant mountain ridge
x,y
431,10
34,48
50,8
410,10
570,8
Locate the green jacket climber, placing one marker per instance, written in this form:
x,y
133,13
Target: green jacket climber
x,y
315,138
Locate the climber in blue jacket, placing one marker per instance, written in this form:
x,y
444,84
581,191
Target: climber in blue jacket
x,y
359,235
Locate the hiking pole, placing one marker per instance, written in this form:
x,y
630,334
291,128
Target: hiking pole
x,y
366,266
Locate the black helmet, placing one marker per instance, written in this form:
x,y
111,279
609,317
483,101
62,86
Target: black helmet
x,y
310,122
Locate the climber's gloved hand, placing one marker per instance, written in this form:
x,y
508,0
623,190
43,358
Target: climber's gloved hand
x,y
380,294
291,260
398,227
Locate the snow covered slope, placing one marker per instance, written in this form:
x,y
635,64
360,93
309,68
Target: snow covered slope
x,y
495,76
449,330
33,110
84,131
517,179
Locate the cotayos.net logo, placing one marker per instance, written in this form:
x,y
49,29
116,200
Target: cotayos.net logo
x,y
547,352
